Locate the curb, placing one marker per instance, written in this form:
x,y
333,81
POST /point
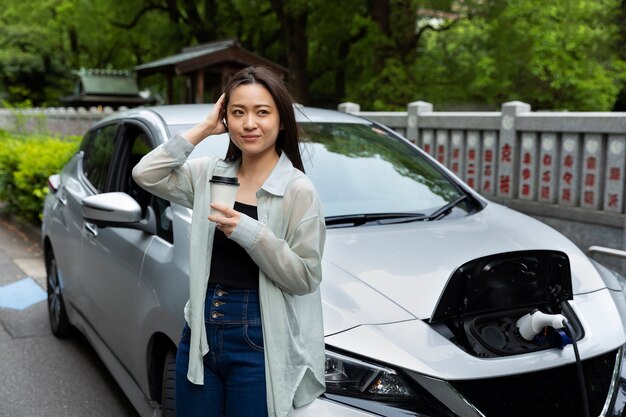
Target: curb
x,y
28,230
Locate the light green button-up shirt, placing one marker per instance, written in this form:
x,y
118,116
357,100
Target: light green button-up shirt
x,y
286,243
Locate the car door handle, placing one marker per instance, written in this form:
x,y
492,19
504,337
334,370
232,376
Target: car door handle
x,y
60,195
91,229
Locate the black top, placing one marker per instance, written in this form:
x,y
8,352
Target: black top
x,y
230,264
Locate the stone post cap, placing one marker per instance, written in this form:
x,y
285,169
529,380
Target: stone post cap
x,y
514,107
349,107
421,106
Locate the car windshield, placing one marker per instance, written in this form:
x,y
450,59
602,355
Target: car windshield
x,y
361,169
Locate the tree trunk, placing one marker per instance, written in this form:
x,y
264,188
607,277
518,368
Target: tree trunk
x,y
297,58
380,11
294,26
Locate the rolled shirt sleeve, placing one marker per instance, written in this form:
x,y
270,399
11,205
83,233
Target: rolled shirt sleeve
x,y
166,173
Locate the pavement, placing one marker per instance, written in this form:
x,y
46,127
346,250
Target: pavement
x,y
41,375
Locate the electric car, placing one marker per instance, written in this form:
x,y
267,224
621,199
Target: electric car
x,y
437,302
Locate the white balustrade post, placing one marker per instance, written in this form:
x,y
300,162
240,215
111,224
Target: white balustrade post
x,y
457,153
548,168
592,178
414,110
472,159
570,167
488,160
442,145
614,174
427,139
508,148
528,167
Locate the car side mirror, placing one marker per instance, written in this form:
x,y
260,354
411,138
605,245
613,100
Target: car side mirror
x,y
117,209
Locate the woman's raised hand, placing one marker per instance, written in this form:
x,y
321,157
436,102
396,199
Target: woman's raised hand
x,y
211,125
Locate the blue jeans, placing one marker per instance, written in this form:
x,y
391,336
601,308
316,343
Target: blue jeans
x,y
234,368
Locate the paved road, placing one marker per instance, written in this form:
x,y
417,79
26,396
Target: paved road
x,y
41,375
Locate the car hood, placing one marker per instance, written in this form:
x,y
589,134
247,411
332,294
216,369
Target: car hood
x,y
390,273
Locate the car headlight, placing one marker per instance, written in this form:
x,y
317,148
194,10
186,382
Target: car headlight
x,y
353,377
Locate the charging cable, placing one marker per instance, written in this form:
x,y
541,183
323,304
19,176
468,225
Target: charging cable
x,y
531,324
579,366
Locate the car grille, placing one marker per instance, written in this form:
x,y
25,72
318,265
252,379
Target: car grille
x,y
550,392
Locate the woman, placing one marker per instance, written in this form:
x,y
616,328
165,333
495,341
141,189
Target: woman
x,y
253,344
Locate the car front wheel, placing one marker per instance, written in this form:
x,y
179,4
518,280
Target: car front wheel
x,y
59,323
168,395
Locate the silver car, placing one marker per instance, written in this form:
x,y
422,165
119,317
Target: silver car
x,y
437,302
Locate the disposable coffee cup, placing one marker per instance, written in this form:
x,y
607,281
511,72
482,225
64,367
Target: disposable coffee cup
x,y
224,191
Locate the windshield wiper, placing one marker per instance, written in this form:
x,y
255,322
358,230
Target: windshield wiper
x,y
447,209
378,218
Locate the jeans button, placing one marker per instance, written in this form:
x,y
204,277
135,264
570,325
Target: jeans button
x,y
214,315
220,293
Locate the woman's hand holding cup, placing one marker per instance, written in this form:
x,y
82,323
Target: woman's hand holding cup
x,y
226,218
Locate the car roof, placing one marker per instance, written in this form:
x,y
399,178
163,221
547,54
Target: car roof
x,y
186,114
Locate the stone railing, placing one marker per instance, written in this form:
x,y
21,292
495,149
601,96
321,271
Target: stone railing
x,y
570,159
565,168
62,121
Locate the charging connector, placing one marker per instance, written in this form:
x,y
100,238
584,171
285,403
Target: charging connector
x,y
531,324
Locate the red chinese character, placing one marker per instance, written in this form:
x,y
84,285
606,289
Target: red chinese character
x,y
455,167
545,193
471,154
505,184
455,153
568,177
526,189
614,174
526,173
566,194
547,159
527,159
588,197
613,200
591,162
569,161
507,151
471,169
546,176
590,180
487,172
487,186
488,155
427,147
440,153
470,182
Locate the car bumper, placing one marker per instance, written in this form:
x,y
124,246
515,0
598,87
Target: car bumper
x,y
323,407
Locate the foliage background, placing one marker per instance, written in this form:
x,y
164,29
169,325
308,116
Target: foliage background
x,y
457,54
26,162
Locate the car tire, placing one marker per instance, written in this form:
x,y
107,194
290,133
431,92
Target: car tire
x,y
168,387
59,323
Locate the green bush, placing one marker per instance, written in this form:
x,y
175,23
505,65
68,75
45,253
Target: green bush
x,y
26,162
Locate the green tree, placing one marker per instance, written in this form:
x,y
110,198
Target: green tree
x,y
31,70
379,53
555,55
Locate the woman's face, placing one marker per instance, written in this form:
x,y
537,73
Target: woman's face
x,y
253,120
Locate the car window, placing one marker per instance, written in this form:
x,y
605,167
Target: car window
x,y
98,152
136,144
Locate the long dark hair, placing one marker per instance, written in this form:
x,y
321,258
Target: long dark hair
x,y
289,136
